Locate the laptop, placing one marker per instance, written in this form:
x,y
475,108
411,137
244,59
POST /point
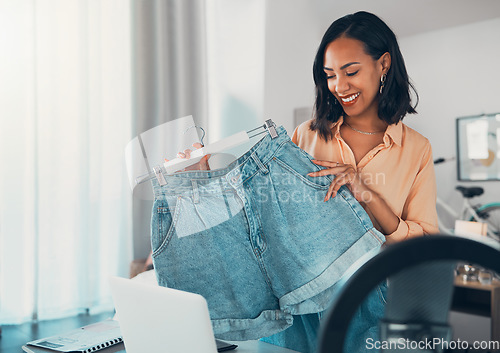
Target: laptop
x,y
156,319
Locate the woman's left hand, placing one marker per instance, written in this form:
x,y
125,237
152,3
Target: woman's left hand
x,y
345,174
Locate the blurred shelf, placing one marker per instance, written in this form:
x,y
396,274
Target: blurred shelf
x,y
472,297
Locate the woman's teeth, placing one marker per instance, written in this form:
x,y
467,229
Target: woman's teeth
x,y
350,98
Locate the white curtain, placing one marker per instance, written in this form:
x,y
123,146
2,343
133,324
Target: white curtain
x,y
203,58
65,118
170,77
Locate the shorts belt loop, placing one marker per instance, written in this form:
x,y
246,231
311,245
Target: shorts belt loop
x,y
262,167
196,193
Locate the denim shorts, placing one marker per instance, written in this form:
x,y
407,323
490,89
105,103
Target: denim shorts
x,y
256,239
302,336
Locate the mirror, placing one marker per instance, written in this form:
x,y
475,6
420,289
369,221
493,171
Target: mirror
x,y
478,147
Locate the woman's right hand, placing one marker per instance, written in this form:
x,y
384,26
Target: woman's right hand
x,y
345,174
201,165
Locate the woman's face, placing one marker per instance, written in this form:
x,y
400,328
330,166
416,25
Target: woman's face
x,y
353,76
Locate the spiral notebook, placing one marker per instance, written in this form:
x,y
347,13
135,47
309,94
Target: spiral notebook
x,y
85,339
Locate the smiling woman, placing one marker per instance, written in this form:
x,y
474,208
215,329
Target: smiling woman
x,y
362,94
366,54
355,84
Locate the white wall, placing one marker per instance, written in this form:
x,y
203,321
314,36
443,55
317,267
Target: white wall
x,y
236,49
456,73
293,34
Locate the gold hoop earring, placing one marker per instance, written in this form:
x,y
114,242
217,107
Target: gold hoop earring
x,y
382,82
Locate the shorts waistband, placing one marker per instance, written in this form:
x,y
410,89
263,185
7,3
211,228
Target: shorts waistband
x,y
226,179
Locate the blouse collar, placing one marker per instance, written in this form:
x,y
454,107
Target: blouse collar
x,y
393,132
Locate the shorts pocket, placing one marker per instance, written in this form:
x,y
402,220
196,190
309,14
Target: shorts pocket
x,y
315,182
163,224
184,217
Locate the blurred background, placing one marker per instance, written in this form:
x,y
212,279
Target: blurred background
x,y
79,79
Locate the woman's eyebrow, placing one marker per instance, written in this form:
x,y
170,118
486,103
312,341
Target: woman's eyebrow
x,y
343,66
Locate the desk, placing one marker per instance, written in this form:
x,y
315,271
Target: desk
x,y
479,299
259,347
243,347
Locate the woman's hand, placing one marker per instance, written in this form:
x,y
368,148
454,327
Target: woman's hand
x,y
201,165
345,174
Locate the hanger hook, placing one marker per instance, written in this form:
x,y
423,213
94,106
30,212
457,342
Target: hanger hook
x,y
197,127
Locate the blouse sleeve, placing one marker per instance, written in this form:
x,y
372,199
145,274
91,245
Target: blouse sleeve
x,y
295,136
419,216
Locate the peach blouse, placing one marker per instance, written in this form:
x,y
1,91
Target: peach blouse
x,y
400,170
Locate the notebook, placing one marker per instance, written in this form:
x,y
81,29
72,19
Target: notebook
x,y
156,319
85,339
117,348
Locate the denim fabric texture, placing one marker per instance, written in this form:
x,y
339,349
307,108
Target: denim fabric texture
x,y
256,239
364,325
302,336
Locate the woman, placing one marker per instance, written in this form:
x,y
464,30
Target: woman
x,y
362,94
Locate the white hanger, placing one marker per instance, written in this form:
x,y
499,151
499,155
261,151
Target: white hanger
x,y
176,164
218,147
